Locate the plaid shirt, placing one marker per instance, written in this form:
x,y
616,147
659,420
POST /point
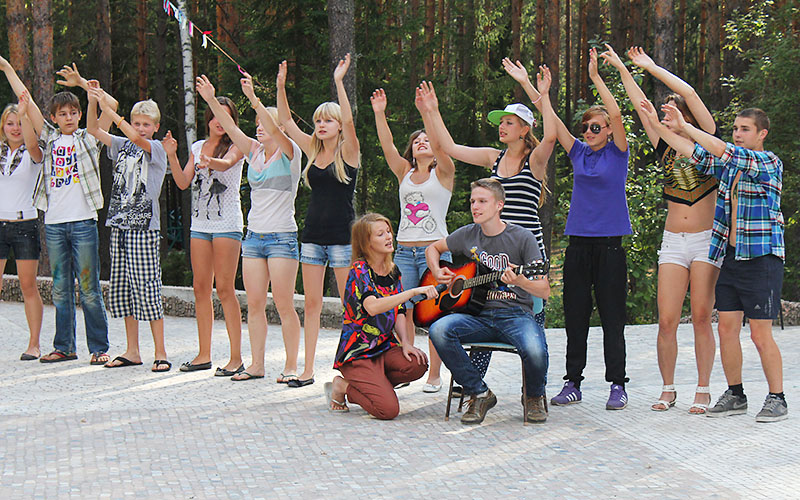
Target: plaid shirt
x,y
759,221
87,149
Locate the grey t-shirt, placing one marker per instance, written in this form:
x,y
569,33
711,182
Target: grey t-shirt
x,y
514,246
137,185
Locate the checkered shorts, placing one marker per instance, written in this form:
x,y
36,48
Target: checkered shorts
x,y
135,288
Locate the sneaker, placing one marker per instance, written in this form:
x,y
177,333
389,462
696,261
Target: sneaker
x,y
569,395
618,399
775,409
477,406
537,409
728,404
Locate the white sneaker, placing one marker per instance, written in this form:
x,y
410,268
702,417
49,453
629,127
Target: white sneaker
x,y
430,388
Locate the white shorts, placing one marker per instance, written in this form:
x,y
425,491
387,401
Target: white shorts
x,y
684,248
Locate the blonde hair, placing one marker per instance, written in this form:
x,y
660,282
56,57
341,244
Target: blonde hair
x,y
147,108
325,111
9,109
492,185
360,235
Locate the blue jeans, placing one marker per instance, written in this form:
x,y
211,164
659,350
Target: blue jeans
x,y
72,249
512,325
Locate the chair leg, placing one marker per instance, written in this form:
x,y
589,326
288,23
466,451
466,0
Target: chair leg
x,y
449,399
524,395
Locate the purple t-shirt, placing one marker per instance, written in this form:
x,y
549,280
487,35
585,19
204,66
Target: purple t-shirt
x,y
599,206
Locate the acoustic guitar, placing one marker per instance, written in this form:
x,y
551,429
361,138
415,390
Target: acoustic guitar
x,y
468,291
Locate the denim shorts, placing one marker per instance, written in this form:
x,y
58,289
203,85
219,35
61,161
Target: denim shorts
x,y
412,264
333,255
234,235
21,236
685,248
269,245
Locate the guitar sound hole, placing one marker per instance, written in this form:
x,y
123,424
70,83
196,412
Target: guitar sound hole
x,y
457,288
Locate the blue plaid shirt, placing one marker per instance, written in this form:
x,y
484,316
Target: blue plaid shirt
x,y
759,221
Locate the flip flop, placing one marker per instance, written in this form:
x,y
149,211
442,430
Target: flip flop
x,y
285,379
27,357
96,358
249,377
59,356
328,387
189,367
222,372
300,383
161,362
122,361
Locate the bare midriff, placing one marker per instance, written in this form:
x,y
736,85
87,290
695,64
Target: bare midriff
x,y
416,243
691,218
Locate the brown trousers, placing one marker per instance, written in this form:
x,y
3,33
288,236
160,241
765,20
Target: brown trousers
x,y
372,381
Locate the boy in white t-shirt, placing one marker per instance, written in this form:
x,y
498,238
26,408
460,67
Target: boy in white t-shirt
x,y
133,216
69,193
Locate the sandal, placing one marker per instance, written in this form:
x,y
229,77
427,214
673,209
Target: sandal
x,y
57,356
333,405
99,358
157,364
285,379
700,406
663,404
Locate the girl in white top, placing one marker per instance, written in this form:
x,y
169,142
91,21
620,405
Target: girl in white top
x,y
269,253
214,172
426,176
20,167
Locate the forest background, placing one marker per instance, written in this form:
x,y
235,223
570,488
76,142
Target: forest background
x,y
736,53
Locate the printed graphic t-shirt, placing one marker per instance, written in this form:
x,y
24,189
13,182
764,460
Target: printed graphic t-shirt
x,y
137,185
514,246
18,175
216,201
364,336
67,200
273,188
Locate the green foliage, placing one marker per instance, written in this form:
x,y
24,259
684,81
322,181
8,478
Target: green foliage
x,y
175,269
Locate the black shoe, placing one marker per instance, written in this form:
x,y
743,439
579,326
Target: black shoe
x,y
477,408
222,372
189,367
300,383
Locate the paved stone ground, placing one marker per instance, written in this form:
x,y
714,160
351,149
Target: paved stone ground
x,y
70,430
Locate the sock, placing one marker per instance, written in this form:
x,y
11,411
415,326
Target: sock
x,y
737,390
778,395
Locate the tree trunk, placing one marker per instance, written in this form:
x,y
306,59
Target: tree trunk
x,y
18,30
582,49
441,44
516,27
714,54
541,15
141,45
680,41
41,13
413,53
636,31
568,60
547,211
593,32
733,63
619,24
664,46
430,26
701,54
190,114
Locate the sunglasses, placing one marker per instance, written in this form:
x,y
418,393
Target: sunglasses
x,y
594,127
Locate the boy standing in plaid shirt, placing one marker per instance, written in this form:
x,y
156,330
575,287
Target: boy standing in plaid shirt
x,y
133,216
748,238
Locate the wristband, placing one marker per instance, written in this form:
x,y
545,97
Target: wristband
x,y
256,105
121,119
537,100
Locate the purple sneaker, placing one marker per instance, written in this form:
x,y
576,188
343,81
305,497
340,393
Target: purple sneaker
x,y
618,399
569,395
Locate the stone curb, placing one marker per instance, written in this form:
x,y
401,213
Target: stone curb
x,y
179,301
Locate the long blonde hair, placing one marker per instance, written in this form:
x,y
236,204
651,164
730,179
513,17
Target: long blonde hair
x,y
325,111
530,144
360,235
9,109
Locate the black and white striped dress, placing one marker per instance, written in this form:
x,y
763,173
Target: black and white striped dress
x,y
523,191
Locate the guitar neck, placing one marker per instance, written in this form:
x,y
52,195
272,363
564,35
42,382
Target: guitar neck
x,y
483,279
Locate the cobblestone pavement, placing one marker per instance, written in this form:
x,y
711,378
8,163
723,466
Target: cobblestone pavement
x,y
70,430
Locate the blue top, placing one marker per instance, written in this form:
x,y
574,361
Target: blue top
x,y
599,206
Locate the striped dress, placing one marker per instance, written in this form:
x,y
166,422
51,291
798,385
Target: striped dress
x,y
523,191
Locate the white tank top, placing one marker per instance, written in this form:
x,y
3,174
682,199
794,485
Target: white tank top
x,y
423,208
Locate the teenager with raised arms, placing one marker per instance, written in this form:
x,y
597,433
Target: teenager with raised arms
x,y
334,156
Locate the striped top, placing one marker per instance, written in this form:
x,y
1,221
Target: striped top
x,y
759,220
523,191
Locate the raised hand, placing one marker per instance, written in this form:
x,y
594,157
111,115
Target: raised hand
x,y
24,102
611,57
95,94
341,68
71,76
639,58
593,63
247,88
673,117
378,101
281,79
543,79
649,111
204,87
170,143
428,95
4,64
515,70
203,161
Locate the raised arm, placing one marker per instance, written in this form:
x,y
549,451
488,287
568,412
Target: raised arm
x,y
206,91
635,93
693,101
484,157
399,165
518,72
285,114
614,114
446,169
72,78
541,153
182,176
680,144
351,149
707,141
272,128
95,95
34,113
28,133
